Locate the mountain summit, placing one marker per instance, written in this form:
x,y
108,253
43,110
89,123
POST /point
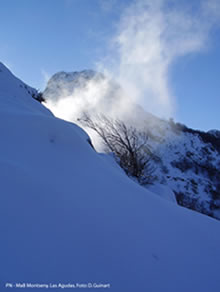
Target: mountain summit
x,y
63,83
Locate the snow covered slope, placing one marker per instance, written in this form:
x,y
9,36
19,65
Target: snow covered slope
x,y
16,95
66,216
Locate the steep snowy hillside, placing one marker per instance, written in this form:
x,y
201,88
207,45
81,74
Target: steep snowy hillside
x,y
69,216
17,97
187,161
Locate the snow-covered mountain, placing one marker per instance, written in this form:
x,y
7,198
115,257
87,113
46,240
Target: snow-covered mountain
x,y
188,161
68,216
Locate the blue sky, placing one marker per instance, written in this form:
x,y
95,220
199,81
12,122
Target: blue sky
x,y
42,37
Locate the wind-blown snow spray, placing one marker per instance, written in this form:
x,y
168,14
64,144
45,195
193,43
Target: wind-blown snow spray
x,y
150,36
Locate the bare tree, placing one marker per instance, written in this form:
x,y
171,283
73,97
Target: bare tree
x,y
127,143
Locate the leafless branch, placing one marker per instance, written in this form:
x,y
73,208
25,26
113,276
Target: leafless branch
x,y
128,144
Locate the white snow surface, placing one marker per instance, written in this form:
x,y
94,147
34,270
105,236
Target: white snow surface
x,y
67,216
15,95
163,191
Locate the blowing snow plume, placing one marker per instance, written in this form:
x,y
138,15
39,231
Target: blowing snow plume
x,y
70,94
150,36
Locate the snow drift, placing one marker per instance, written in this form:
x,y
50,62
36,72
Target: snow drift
x,y
69,217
